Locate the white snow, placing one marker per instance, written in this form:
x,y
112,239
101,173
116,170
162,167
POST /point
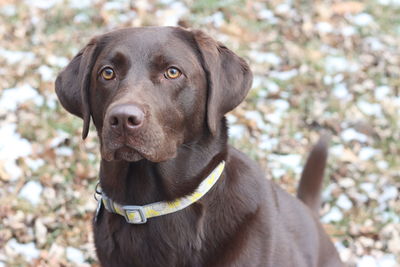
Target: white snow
x,y
217,19
237,131
375,44
389,2
256,117
8,10
351,134
362,19
171,16
371,109
334,215
81,18
340,91
267,15
31,191
60,62
348,31
324,27
12,146
267,143
283,8
42,4
75,255
387,260
34,164
335,64
46,73
290,161
64,151
272,87
13,57
28,250
389,192
370,189
265,57
281,104
115,5
367,261
60,138
81,4
366,153
382,92
344,202
11,98
278,172
284,75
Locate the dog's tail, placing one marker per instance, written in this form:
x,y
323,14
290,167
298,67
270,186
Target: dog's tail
x,y
310,186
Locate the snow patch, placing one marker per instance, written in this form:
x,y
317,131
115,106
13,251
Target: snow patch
x,y
351,134
291,161
371,109
13,57
334,215
13,97
75,255
28,250
335,64
340,91
31,192
265,57
284,75
46,73
344,202
237,131
324,27
12,146
42,4
366,153
362,19
172,15
382,92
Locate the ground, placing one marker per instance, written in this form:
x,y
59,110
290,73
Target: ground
x,y
320,66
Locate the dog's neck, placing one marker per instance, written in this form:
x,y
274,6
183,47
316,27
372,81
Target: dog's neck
x,y
144,182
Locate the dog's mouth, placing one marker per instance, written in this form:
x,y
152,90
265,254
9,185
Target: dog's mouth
x,y
149,145
127,153
123,152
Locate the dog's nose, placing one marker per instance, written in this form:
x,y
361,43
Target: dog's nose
x,y
127,116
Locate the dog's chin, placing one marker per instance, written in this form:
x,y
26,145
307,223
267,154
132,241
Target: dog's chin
x,y
127,154
132,155
124,153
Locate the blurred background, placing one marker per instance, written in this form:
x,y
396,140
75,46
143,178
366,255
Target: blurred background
x,y
319,66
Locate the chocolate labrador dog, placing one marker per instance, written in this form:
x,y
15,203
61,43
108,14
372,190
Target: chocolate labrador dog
x,y
174,193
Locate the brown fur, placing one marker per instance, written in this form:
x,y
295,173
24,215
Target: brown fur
x,y
244,220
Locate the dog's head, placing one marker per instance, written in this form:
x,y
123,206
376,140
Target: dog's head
x,y
150,90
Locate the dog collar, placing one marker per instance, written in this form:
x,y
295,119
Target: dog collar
x,y
140,214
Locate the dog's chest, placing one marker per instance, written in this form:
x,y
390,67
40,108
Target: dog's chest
x,y
159,242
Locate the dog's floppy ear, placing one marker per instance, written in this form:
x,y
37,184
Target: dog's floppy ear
x,y
73,82
229,78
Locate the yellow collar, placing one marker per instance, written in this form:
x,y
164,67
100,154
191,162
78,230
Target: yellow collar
x,y
140,214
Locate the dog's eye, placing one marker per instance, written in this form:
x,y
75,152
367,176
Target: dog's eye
x,y
172,73
108,73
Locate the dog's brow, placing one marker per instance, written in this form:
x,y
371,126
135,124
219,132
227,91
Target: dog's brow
x,y
160,61
119,59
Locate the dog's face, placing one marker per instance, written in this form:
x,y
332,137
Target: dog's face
x,y
150,90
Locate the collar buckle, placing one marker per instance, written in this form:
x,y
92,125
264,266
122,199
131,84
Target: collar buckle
x,y
134,214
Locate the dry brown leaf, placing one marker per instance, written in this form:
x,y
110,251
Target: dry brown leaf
x,y
351,7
